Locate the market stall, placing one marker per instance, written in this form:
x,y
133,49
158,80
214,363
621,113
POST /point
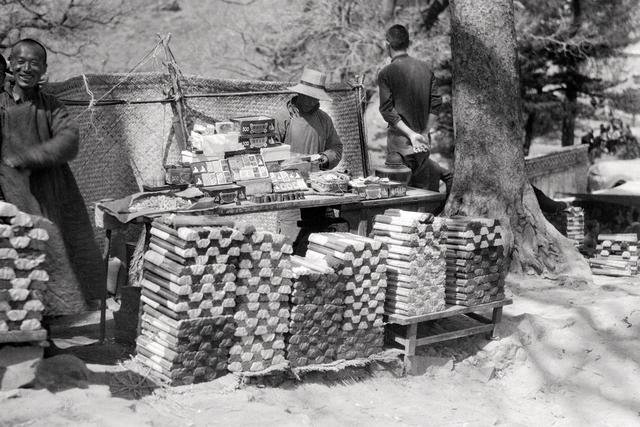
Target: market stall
x,y
220,289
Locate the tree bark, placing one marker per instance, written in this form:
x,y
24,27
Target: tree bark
x,y
431,13
528,132
490,179
569,119
388,9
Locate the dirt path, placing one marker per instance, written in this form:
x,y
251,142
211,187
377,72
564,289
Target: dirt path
x,y
566,357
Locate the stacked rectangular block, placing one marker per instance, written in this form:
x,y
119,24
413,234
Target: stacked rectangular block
x,y
475,261
317,309
616,255
569,222
188,299
21,277
360,264
262,312
416,268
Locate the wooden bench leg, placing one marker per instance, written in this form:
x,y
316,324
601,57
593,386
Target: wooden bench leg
x,y
495,319
103,297
410,347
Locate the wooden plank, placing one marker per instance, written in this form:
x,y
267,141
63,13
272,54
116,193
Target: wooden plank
x,y
414,195
448,312
310,201
454,334
23,336
480,318
411,340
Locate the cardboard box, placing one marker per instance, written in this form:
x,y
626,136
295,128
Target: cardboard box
x,y
257,186
256,125
258,141
178,175
225,194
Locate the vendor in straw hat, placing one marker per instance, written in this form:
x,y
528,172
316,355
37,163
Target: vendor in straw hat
x,y
308,130
304,126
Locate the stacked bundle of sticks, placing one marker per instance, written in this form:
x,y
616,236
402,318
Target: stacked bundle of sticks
x,y
569,222
21,276
262,313
360,264
616,255
475,261
315,328
188,298
415,263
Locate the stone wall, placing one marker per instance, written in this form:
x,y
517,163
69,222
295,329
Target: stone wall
x,y
562,171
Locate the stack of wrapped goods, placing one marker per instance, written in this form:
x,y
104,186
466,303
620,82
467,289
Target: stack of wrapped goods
x,y
616,255
569,222
317,300
415,263
262,311
21,279
188,299
360,264
475,261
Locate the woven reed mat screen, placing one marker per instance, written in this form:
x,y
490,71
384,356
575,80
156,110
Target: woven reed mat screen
x,y
126,137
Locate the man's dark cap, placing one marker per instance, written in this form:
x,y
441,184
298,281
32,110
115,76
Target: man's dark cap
x,y
31,41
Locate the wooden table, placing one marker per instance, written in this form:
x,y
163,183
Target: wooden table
x,y
356,211
405,330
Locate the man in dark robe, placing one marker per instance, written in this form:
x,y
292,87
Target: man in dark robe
x,y
39,138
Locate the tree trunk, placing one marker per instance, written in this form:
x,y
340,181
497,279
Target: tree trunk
x,y
388,9
528,131
431,13
490,179
569,119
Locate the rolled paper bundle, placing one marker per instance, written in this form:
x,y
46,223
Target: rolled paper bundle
x,y
19,294
8,253
19,242
22,219
29,263
8,210
30,325
7,273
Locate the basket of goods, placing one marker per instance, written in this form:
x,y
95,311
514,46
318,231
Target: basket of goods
x,y
158,202
329,182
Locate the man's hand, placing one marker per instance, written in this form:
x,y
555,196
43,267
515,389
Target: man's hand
x,y
9,162
320,159
420,143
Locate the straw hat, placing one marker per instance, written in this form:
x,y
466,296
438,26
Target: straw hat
x,y
312,83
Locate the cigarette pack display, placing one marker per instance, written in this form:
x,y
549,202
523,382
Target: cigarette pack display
x,y
262,312
416,268
288,180
258,141
188,301
247,166
570,222
22,277
476,261
276,153
616,255
257,186
256,125
317,309
360,265
225,194
178,175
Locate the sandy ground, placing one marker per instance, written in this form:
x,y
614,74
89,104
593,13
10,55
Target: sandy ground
x,y
565,357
